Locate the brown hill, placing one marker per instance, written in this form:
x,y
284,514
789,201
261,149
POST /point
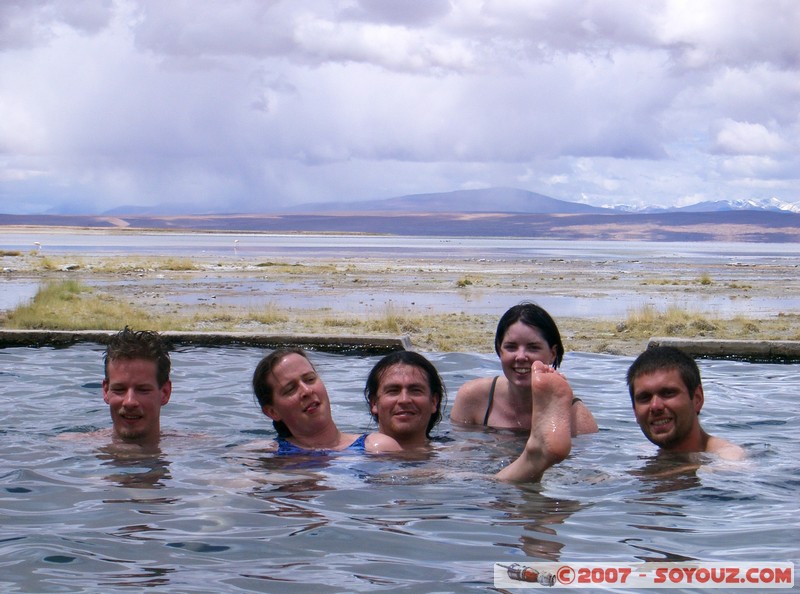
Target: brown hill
x,y
741,225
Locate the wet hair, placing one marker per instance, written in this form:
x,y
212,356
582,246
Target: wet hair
x,y
127,345
535,316
412,359
657,358
263,389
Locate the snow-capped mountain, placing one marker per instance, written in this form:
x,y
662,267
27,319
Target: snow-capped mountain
x,y
768,204
522,201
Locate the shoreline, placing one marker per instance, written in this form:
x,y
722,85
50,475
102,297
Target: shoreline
x,y
447,303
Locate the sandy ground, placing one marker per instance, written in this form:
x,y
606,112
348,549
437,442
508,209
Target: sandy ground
x,y
450,305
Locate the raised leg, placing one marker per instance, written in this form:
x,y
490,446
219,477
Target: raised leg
x,y
550,439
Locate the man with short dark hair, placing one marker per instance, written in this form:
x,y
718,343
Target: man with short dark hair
x,y
667,396
136,385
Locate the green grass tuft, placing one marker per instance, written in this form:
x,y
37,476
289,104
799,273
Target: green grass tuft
x,y
70,305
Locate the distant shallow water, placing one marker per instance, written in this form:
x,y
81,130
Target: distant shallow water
x,y
197,518
333,245
14,293
261,293
564,302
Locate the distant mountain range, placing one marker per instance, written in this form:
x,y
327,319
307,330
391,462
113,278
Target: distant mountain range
x,y
497,212
768,205
511,200
496,200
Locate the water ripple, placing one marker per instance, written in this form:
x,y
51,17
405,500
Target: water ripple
x,y
195,518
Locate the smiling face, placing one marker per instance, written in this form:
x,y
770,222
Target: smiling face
x,y
520,347
665,412
300,398
404,404
135,399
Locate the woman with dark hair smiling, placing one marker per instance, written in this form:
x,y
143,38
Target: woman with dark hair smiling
x,y
526,333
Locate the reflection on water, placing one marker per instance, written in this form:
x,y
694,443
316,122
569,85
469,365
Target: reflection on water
x,y
197,517
134,469
540,517
666,472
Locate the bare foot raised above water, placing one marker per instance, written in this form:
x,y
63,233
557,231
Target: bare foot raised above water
x,y
550,439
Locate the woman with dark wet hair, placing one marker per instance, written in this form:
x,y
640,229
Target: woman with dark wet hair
x,y
526,333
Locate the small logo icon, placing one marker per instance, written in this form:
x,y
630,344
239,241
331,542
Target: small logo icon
x,y
523,573
565,574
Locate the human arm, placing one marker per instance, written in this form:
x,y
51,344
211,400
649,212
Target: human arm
x,y
471,402
379,443
582,420
725,449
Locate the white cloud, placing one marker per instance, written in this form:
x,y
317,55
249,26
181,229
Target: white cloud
x,y
395,48
243,103
719,33
744,138
756,167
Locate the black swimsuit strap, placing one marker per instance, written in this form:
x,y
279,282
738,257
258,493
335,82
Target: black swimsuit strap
x,y
491,398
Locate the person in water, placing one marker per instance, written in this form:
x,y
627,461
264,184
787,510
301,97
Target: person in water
x,y
406,396
291,393
526,333
136,385
667,395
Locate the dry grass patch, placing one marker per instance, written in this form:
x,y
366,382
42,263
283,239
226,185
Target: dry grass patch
x,y
673,321
704,280
464,282
176,264
267,314
114,264
70,305
48,264
631,335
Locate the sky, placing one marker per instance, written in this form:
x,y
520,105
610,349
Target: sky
x,y
259,105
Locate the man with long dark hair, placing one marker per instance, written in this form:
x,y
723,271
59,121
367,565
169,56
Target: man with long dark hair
x,y
406,398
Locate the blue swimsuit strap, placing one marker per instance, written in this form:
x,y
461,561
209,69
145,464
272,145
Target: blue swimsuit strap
x,y
286,447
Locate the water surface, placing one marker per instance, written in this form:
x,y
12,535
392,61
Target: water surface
x,y
117,241
198,518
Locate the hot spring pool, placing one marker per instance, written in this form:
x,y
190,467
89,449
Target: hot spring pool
x,y
197,518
